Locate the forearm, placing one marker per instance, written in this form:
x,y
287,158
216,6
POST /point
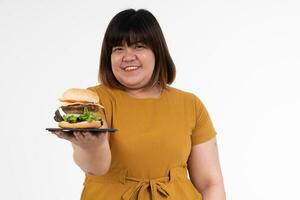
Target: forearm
x,y
214,192
94,161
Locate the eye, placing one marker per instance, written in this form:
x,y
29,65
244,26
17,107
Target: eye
x,y
139,46
117,49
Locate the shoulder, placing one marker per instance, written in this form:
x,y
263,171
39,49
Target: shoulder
x,y
106,95
102,90
182,94
189,99
98,88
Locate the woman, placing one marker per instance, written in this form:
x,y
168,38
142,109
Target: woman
x,y
164,134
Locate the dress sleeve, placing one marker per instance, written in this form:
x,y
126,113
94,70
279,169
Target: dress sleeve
x,y
203,130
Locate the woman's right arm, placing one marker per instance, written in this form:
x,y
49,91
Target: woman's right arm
x,y
94,158
91,152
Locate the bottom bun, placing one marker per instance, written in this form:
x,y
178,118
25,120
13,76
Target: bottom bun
x,y
93,124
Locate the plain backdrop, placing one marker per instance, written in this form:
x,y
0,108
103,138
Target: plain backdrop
x,y
241,58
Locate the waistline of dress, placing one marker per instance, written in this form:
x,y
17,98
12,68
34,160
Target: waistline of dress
x,y
178,173
156,186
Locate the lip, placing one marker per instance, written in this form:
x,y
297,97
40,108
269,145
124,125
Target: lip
x,y
129,68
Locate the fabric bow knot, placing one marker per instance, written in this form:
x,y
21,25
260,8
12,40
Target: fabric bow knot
x,y
157,186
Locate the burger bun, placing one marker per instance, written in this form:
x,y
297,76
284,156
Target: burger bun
x,y
79,95
85,124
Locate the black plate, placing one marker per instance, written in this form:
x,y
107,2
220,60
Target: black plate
x,y
92,130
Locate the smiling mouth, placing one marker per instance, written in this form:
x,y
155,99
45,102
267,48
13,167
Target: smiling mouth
x,y
131,68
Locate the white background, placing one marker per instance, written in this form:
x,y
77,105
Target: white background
x,y
241,58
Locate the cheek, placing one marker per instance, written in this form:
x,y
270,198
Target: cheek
x,y
152,63
115,66
115,62
117,55
149,58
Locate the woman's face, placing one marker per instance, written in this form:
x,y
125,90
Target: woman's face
x,y
133,65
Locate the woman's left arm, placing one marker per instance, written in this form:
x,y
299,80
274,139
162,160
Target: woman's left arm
x,y
205,171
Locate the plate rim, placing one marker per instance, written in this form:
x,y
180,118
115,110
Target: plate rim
x,y
83,129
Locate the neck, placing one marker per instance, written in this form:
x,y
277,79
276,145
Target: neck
x,y
141,93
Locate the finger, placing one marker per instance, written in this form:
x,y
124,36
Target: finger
x,y
58,134
78,136
55,132
63,135
88,136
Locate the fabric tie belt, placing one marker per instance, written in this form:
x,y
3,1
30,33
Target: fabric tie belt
x,y
157,186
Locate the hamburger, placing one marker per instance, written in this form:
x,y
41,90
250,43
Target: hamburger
x,y
79,108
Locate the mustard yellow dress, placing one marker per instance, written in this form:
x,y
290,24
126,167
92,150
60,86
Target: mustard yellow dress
x,y
151,147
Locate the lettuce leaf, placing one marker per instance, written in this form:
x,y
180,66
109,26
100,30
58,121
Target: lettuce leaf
x,y
85,116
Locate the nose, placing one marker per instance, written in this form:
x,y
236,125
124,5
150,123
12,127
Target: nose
x,y
129,55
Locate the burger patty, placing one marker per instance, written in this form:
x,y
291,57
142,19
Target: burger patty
x,y
78,108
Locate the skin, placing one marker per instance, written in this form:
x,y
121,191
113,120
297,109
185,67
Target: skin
x,y
90,152
205,171
133,67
